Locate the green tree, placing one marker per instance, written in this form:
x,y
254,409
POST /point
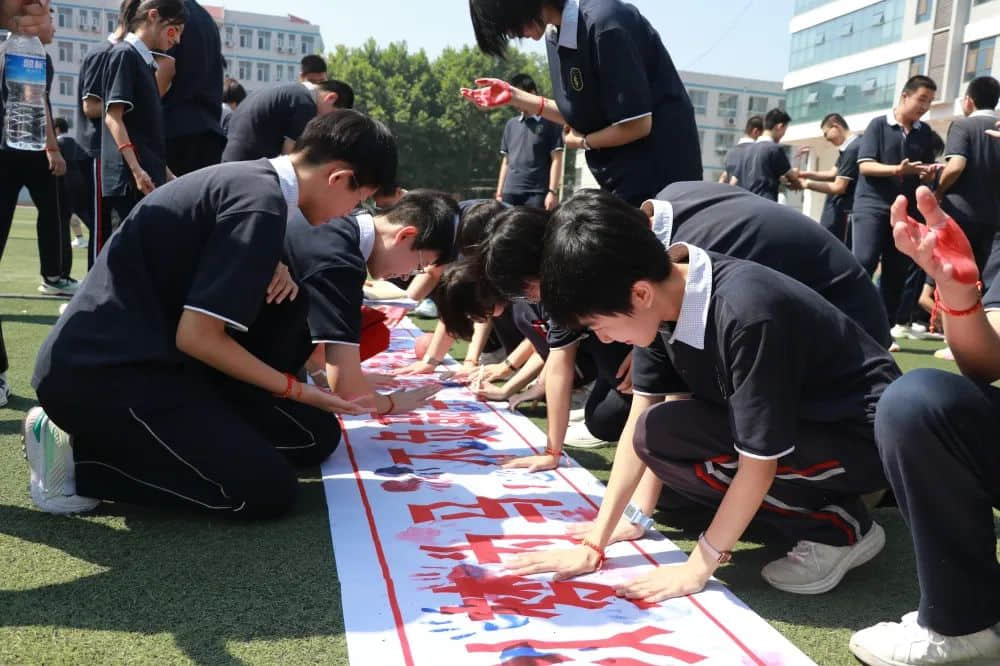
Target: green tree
x,y
444,141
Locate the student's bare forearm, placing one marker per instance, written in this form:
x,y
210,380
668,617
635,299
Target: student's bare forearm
x,y
440,344
51,143
555,172
622,134
741,502
480,334
626,472
343,372
973,338
502,178
837,187
952,171
528,371
116,127
524,351
559,374
531,104
824,176
873,169
422,285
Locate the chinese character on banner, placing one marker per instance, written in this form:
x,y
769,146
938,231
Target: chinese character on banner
x,y
487,508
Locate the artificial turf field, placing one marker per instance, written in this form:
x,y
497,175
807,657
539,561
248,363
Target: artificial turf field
x,y
134,585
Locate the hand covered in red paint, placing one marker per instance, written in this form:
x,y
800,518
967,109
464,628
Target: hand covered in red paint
x,y
563,563
492,93
939,247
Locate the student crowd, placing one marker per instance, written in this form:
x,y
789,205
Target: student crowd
x,y
738,351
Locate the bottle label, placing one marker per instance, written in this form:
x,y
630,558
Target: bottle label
x,y
25,69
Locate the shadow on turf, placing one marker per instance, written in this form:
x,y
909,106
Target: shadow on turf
x,y
206,582
41,320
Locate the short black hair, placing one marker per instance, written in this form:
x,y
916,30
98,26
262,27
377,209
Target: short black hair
x,y
312,64
511,253
984,92
754,123
434,214
134,12
464,296
496,22
596,248
915,83
475,220
833,119
59,124
345,93
776,117
233,93
524,82
349,136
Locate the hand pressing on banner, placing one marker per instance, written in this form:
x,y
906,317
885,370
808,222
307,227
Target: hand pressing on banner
x,y
416,368
562,563
540,463
379,380
322,398
668,581
407,400
282,285
492,94
624,531
533,393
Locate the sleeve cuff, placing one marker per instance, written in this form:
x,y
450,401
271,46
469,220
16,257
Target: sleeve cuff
x,y
861,160
229,322
631,118
129,105
335,342
650,394
569,344
758,456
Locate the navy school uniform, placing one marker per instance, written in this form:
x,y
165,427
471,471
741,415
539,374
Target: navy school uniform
x,y
75,188
763,166
528,143
776,372
735,159
606,410
886,142
194,101
837,208
153,425
730,221
974,199
90,84
130,80
261,123
608,65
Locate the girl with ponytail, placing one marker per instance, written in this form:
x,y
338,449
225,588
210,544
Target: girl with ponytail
x,y
133,147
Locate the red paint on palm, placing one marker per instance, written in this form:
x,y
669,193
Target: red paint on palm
x,y
951,246
493,94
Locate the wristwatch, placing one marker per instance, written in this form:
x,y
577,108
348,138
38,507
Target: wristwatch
x,y
634,515
585,143
720,556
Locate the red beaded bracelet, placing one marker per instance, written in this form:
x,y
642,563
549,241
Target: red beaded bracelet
x,y
597,549
289,385
939,305
555,454
541,107
126,145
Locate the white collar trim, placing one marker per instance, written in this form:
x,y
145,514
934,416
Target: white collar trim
x,y
366,237
693,318
663,220
745,139
289,182
848,142
890,118
141,49
567,31
983,113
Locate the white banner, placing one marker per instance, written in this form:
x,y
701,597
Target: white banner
x,y
422,519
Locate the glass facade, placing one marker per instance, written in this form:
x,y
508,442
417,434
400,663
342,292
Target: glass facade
x,y
979,58
867,90
802,6
875,25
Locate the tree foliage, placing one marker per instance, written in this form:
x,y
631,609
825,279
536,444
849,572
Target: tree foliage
x,y
444,142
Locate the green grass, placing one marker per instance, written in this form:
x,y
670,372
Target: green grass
x,y
141,586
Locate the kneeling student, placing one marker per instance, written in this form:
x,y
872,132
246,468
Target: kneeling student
x,y
147,398
331,261
778,423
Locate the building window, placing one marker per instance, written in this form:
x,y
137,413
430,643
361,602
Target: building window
x,y
83,50
724,141
279,72
229,35
65,52
979,58
263,72
264,40
291,72
291,43
64,17
65,85
757,105
868,90
111,21
924,8
699,99
246,38
281,42
244,71
869,27
917,64
307,45
728,105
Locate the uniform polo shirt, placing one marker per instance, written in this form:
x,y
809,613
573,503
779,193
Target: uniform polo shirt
x,y
764,165
330,263
991,299
847,167
91,84
975,196
194,100
767,348
533,323
208,244
608,66
885,141
261,123
130,80
735,157
528,143
730,221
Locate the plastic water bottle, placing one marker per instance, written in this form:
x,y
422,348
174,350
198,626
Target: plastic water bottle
x,y
24,71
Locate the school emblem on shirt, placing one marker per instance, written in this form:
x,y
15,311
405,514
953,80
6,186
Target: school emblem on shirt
x,y
576,78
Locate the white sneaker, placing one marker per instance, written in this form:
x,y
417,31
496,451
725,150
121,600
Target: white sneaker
x,y
426,308
579,436
815,568
79,242
577,415
59,287
894,347
920,332
944,354
49,451
4,389
63,308
906,643
900,332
